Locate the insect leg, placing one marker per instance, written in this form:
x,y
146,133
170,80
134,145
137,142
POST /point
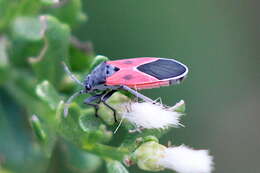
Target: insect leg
x,y
137,94
89,101
105,97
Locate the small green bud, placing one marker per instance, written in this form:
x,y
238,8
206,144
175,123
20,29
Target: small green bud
x,y
141,140
37,127
150,138
148,154
179,107
97,60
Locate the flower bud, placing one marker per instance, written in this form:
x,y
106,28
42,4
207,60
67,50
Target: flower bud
x,y
37,127
148,155
178,107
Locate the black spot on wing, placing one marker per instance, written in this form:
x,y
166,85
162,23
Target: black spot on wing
x,y
128,77
128,62
162,69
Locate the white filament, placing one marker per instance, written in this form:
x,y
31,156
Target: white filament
x,y
149,116
187,160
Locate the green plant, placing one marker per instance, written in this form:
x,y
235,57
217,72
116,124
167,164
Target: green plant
x,y
35,37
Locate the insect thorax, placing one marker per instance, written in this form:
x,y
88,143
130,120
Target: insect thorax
x,y
97,78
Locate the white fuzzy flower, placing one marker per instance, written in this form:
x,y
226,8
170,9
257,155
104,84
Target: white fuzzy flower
x,y
187,160
148,116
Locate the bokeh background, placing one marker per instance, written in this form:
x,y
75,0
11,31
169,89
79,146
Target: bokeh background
x,y
217,40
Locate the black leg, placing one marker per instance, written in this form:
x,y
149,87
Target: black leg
x,y
105,97
89,101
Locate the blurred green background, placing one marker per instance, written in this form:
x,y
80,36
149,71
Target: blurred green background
x,y
217,40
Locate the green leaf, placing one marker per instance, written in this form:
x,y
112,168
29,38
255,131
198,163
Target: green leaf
x,y
69,12
50,2
9,10
69,127
22,89
2,170
78,132
24,98
48,94
17,146
4,61
106,152
29,28
80,60
47,65
115,167
79,159
21,48
27,39
93,126
82,127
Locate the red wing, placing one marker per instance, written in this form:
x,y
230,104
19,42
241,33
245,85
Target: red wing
x,y
131,63
147,72
130,77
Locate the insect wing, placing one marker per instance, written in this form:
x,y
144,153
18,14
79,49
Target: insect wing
x,y
163,69
143,73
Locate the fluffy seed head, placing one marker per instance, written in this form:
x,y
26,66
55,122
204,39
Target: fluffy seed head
x,y
187,160
149,116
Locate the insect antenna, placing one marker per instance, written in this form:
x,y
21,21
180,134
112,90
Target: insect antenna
x,y
68,102
72,76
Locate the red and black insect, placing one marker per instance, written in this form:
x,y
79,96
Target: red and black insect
x,y
130,75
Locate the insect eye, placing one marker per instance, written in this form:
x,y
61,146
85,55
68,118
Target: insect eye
x,y
87,87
